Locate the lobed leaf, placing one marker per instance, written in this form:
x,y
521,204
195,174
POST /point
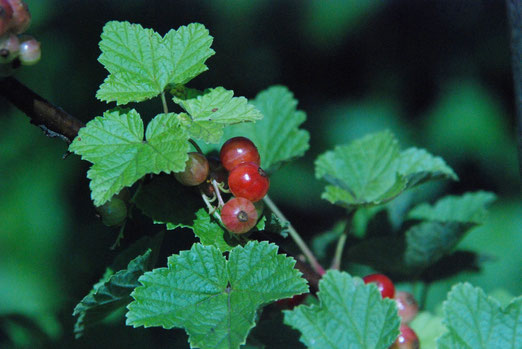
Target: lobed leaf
x,y
277,136
425,243
350,315
120,155
214,299
188,48
113,290
373,171
468,208
209,112
477,321
211,233
141,63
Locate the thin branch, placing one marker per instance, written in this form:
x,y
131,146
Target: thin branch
x,y
54,121
514,9
295,235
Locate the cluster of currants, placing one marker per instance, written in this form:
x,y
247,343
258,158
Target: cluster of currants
x,y
16,49
407,306
237,171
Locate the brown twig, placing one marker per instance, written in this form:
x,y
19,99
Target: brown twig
x,y
54,121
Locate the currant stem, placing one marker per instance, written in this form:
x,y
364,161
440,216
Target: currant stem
x,y
164,102
195,145
336,262
295,235
218,193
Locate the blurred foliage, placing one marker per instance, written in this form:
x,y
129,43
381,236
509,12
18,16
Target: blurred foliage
x,y
437,73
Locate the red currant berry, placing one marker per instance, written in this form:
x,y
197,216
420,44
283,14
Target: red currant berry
x,y
196,170
407,305
239,215
248,181
6,14
238,150
384,284
407,339
21,16
291,303
113,212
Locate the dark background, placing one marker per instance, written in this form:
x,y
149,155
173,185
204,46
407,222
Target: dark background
x,y
437,73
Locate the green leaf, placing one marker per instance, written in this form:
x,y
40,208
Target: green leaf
x,y
275,225
214,299
468,208
113,290
188,48
373,171
210,112
165,200
476,321
419,166
350,315
114,144
141,63
277,137
428,328
136,60
211,233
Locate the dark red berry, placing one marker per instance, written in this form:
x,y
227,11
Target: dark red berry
x,y
238,150
384,284
239,215
196,170
6,15
291,303
248,181
407,339
407,305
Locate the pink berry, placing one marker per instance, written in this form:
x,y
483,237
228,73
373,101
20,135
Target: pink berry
x,y
9,48
30,52
407,305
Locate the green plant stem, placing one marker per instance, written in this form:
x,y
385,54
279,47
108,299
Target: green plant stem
x,y
218,193
295,235
336,262
164,102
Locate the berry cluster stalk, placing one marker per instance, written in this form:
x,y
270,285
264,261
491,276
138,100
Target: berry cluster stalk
x,y
295,235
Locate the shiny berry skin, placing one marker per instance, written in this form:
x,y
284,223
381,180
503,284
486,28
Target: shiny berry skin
x,y
238,150
30,52
21,17
239,215
407,305
248,181
6,15
407,339
113,212
384,284
196,170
